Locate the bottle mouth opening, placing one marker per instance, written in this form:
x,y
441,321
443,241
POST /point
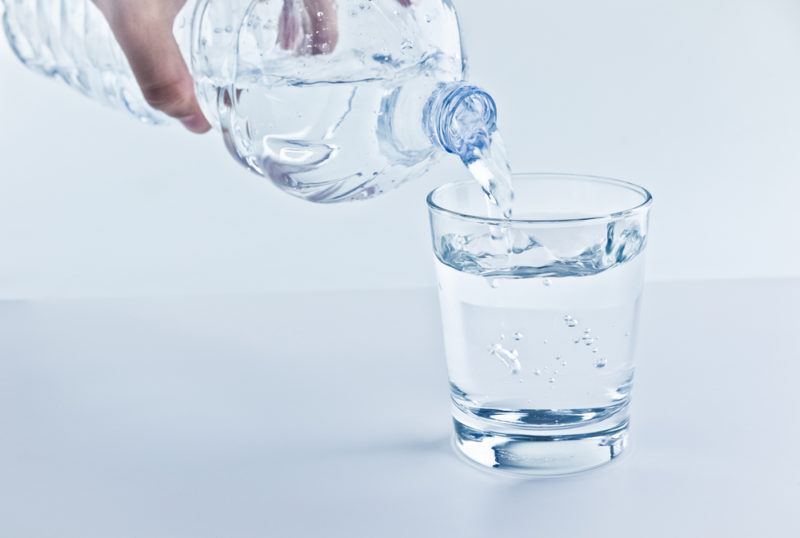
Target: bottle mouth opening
x,y
461,118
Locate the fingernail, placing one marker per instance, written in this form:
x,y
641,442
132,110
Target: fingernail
x,y
196,123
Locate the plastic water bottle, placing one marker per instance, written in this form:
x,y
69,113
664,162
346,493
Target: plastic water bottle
x,y
331,100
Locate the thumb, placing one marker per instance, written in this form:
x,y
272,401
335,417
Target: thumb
x,y
158,65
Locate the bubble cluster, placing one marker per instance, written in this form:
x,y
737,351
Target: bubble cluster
x,y
570,321
587,337
509,357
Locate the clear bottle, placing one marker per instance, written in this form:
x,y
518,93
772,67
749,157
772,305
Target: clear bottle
x,y
331,99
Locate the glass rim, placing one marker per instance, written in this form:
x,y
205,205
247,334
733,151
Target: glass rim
x,y
647,200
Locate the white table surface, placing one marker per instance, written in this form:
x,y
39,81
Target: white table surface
x,y
326,415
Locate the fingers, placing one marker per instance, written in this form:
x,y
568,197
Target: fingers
x,y
324,25
145,36
405,3
308,26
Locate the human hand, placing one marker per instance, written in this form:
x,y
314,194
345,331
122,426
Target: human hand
x,y
143,29
311,26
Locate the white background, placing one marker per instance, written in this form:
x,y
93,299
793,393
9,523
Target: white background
x,y
697,100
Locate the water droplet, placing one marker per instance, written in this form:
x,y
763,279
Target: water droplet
x,y
558,357
594,350
537,372
555,372
407,45
546,282
551,380
320,14
518,336
495,283
428,18
502,336
576,341
600,363
570,321
564,363
544,341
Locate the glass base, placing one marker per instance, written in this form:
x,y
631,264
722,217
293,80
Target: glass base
x,y
539,451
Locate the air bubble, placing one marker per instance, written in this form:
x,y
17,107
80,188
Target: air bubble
x,y
551,380
407,45
594,350
320,14
518,336
428,18
570,321
546,282
537,372
495,283
600,363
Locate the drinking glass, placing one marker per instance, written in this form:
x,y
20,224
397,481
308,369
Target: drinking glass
x,y
540,316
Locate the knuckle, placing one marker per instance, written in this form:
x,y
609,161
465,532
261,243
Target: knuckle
x,y
170,97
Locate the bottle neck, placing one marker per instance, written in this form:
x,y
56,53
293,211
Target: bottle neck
x,y
460,119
